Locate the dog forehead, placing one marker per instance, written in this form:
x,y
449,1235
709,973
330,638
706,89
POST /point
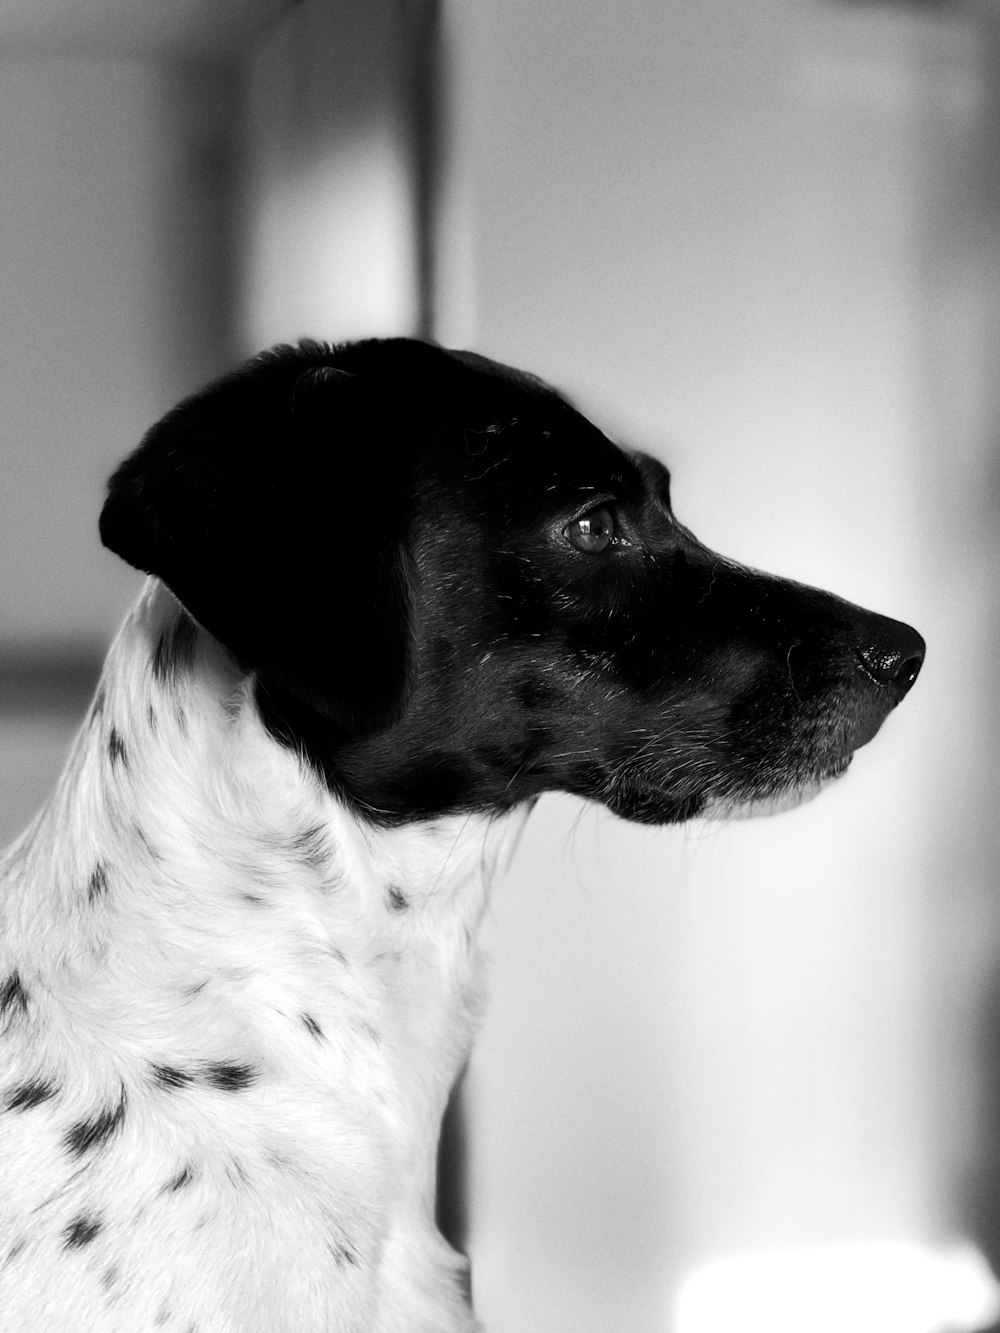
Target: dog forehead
x,y
460,416
539,441
522,469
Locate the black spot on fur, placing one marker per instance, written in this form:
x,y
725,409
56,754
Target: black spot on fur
x,y
237,1173
26,1095
311,1025
147,845
15,1250
174,650
151,718
397,900
97,885
252,899
87,1135
116,749
233,706
312,846
344,1255
178,1182
13,996
109,1277
81,1231
167,1076
230,1077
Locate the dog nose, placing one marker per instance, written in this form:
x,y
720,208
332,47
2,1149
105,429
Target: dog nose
x,y
891,655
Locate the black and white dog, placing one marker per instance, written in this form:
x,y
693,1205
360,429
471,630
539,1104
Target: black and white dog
x,y
397,593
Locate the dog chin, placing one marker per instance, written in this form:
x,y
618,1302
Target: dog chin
x,y
754,807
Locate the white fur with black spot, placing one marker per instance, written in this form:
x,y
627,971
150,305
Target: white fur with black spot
x,y
241,916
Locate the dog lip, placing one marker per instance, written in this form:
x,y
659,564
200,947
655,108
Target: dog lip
x,y
837,769
868,707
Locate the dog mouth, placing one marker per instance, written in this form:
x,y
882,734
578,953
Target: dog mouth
x,y
784,761
769,755
789,797
733,795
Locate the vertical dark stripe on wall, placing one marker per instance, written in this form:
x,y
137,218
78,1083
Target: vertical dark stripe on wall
x,y
425,72
424,67
452,1210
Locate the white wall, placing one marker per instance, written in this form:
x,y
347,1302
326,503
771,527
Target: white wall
x,y
327,245
113,294
746,237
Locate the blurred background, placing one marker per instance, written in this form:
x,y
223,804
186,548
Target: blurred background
x,y
744,1077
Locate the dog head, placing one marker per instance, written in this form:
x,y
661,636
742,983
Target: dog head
x,y
455,593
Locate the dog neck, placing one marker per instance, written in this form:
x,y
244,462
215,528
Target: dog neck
x,y
222,983
194,882
174,782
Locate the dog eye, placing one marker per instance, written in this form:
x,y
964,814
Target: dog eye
x,y
593,532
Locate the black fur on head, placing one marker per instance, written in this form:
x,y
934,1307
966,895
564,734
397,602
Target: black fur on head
x,y
274,505
455,592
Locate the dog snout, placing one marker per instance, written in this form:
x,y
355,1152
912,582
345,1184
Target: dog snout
x,y
891,654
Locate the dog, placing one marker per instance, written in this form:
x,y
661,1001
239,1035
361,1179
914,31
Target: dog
x,y
395,593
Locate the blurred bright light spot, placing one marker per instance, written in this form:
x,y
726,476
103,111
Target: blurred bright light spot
x,y
886,1288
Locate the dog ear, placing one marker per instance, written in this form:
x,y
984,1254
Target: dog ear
x,y
273,505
